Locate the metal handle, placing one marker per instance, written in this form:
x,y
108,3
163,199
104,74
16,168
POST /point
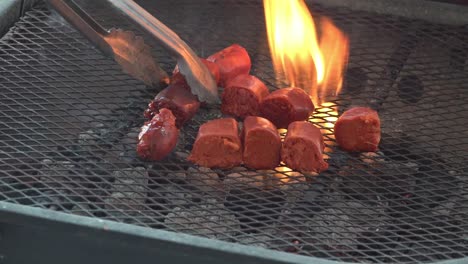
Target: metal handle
x,y
83,22
155,27
196,73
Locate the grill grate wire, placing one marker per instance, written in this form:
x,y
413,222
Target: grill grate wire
x,y
69,119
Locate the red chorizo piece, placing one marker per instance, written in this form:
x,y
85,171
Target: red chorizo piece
x,y
262,143
242,96
286,105
212,67
303,148
358,129
217,144
158,137
232,61
177,98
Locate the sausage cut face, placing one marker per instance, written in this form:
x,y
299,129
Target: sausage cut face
x,y
358,129
286,105
242,96
217,144
303,148
212,67
262,143
177,98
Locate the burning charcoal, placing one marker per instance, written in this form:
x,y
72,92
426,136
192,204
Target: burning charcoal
x,y
129,190
342,224
461,209
246,179
131,138
205,180
255,207
92,137
372,157
211,220
183,143
142,218
125,150
81,209
444,209
182,155
177,196
61,174
293,185
377,181
56,200
255,240
177,176
237,169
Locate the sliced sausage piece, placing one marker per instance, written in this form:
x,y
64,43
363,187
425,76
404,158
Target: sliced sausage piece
x,y
242,96
303,148
158,137
262,143
232,61
217,144
177,98
212,67
358,129
287,105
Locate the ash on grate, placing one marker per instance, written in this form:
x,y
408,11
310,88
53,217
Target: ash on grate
x,y
82,210
205,180
210,219
93,136
63,176
262,240
255,208
375,178
125,149
292,185
176,196
128,192
341,225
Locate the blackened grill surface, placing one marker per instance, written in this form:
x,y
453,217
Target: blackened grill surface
x,y
69,119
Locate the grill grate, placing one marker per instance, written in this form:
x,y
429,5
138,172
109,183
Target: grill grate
x,y
69,120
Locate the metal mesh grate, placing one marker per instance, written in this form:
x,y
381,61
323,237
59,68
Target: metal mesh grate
x,y
69,120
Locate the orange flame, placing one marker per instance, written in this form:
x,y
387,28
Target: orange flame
x,y
306,61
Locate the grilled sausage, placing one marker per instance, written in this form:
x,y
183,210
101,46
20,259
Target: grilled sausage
x,y
158,137
177,98
303,148
232,61
217,144
358,129
242,96
212,67
262,143
286,105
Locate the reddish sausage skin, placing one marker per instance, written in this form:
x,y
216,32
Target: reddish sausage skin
x,y
358,129
242,96
286,105
217,144
212,67
158,137
232,61
177,98
262,143
303,148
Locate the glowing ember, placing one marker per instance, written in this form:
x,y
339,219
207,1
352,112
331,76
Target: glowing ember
x,y
305,60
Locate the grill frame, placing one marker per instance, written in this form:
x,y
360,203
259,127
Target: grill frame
x,y
24,211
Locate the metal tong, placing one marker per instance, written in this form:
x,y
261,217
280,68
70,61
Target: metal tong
x,y
133,55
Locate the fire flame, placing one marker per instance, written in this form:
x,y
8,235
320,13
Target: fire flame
x,y
305,60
